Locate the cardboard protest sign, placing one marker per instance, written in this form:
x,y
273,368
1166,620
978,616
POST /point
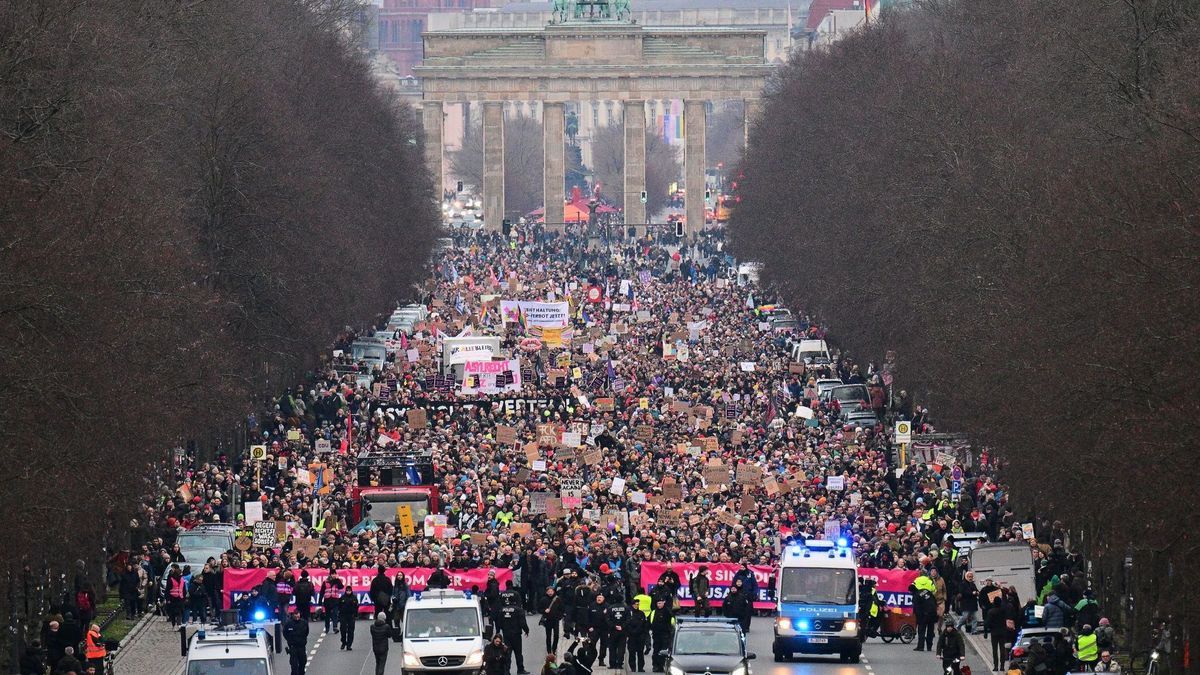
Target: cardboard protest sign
x,y
747,504
524,530
506,435
417,417
593,456
307,548
671,489
716,473
554,508
748,474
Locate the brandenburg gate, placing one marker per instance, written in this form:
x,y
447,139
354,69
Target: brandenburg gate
x,y
589,51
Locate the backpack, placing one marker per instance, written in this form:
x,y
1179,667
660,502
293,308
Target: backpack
x,y
83,601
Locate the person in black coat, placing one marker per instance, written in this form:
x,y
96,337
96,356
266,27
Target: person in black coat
x,y
511,622
662,630
304,592
638,640
295,634
348,614
995,622
381,637
33,661
496,656
739,605
952,647
550,606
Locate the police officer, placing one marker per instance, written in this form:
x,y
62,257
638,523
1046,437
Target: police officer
x,y
597,623
617,619
295,634
567,593
637,637
511,622
662,629
348,610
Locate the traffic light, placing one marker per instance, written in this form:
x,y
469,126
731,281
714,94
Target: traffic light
x,y
679,229
643,196
460,186
506,226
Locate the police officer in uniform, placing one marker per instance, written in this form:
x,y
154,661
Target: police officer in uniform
x,y
637,629
662,629
617,619
295,633
511,620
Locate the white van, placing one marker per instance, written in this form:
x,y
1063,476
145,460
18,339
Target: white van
x,y
229,651
816,593
1005,563
443,631
813,352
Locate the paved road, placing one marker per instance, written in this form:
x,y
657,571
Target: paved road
x,y
878,658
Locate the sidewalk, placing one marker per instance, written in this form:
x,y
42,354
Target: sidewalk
x,y
982,647
153,649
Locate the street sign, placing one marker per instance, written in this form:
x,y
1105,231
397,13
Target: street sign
x,y
258,453
903,432
595,294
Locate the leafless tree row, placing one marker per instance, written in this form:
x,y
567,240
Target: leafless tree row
x,y
1006,194
195,198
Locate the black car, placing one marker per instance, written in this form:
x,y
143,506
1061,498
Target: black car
x,y
1056,642
708,647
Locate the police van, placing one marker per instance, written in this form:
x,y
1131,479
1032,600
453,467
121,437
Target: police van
x,y
244,650
816,591
443,631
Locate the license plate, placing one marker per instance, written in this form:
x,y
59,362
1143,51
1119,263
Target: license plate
x,y
819,641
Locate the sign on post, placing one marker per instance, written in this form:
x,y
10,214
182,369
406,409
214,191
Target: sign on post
x,y
258,453
903,432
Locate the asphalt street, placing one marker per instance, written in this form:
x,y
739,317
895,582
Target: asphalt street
x,y
878,658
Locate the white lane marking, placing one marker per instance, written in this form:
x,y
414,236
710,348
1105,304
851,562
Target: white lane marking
x,y
313,652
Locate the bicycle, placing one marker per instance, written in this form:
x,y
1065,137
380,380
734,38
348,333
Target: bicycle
x,y
1146,662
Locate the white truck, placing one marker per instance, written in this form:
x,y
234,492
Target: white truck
x,y
234,650
443,632
816,591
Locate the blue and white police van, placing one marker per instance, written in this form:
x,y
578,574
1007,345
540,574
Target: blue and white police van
x,y
816,591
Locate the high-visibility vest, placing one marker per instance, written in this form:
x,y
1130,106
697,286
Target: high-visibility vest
x,y
176,588
643,603
1086,649
94,647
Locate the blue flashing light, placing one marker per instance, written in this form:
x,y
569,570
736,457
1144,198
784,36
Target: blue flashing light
x,y
842,543
417,595
200,635
467,594
803,624
260,615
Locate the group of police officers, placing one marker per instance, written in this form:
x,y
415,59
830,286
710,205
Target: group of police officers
x,y
591,610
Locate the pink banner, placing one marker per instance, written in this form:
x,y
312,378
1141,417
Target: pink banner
x,y
720,578
240,581
892,584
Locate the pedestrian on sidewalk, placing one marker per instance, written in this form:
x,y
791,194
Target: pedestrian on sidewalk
x,y
996,624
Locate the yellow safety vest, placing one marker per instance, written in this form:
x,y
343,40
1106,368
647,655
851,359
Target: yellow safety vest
x,y
1086,649
644,604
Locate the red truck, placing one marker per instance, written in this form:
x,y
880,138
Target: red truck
x,y
388,479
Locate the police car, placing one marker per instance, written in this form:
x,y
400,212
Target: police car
x,y
245,650
708,647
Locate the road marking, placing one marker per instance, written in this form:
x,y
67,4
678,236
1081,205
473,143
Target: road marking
x,y
312,653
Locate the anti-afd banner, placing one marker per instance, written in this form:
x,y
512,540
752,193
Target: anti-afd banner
x,y
893,585
238,582
720,578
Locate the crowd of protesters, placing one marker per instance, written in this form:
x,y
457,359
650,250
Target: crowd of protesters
x,y
679,341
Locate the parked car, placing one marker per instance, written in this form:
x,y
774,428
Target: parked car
x,y
1054,640
824,386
